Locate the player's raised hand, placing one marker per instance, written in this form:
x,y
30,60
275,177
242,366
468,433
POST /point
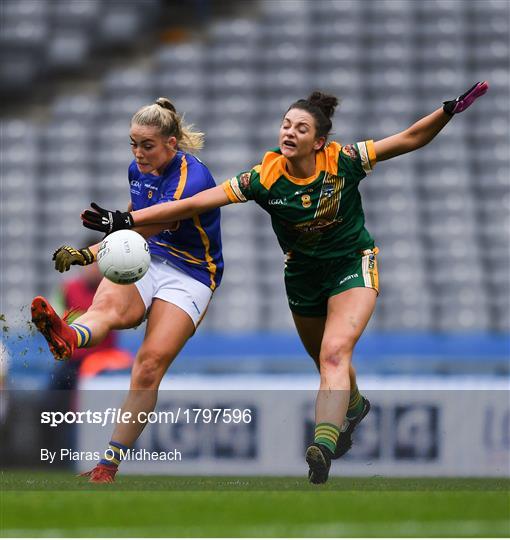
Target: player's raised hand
x,y
66,256
106,221
466,99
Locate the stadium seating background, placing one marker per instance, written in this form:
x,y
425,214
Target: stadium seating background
x,y
440,215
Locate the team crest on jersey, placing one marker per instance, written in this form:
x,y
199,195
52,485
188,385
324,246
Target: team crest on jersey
x,y
135,186
327,191
306,201
234,184
244,180
350,151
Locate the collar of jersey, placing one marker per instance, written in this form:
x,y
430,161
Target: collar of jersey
x,y
320,166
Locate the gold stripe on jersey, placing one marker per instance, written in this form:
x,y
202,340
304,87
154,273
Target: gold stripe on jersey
x,y
370,271
329,200
205,241
182,179
188,257
367,155
234,195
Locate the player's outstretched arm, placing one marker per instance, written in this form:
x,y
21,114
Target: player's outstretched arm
x,y
204,201
423,131
159,215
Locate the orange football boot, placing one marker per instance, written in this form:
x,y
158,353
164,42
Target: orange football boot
x,y
61,338
101,474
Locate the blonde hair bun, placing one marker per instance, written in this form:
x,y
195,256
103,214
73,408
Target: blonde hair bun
x,y
166,104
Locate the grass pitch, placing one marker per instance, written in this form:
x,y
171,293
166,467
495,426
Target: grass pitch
x,y
57,504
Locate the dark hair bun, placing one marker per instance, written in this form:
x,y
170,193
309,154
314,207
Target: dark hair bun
x,y
325,102
166,104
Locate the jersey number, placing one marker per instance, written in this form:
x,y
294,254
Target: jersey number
x,y
306,201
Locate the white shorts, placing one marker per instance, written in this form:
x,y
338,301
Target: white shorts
x,y
169,283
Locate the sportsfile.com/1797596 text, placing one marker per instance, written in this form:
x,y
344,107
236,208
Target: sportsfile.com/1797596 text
x,y
113,415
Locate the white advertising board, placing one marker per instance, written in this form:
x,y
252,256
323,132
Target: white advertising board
x,y
261,426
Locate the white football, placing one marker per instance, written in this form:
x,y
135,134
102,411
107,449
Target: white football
x,y
124,257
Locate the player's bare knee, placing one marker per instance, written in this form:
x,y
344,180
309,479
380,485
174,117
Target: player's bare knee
x,y
336,353
148,370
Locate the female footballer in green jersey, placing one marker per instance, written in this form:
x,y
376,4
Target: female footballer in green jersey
x,y
310,189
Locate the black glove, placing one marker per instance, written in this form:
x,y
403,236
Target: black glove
x,y
66,256
106,221
466,99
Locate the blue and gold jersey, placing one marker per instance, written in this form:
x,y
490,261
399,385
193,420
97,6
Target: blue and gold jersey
x,y
193,245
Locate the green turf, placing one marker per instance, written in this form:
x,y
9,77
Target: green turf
x,y
43,504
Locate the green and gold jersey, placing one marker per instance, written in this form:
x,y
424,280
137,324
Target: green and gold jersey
x,y
320,216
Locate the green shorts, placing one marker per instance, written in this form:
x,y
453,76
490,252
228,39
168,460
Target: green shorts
x,y
309,284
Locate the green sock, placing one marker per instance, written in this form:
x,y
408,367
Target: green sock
x,y
327,435
355,403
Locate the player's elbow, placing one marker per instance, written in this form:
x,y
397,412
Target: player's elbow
x,y
412,140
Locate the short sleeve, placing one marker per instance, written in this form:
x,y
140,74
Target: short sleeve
x,y
241,188
358,159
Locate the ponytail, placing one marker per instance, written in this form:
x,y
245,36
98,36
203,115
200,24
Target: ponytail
x,y
163,115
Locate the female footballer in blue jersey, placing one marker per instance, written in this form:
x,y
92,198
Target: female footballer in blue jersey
x,y
310,189
186,267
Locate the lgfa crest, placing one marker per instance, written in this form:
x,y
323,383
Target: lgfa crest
x,y
327,191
